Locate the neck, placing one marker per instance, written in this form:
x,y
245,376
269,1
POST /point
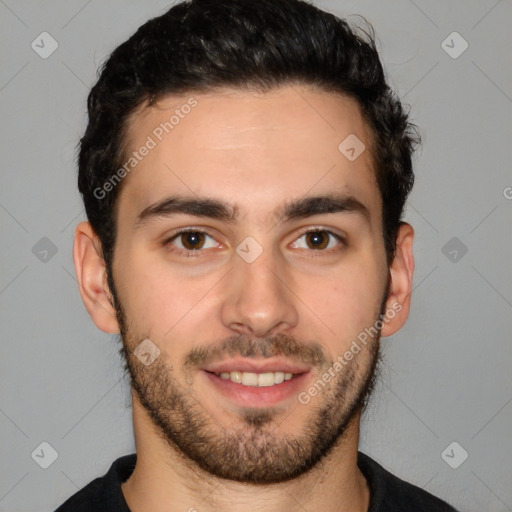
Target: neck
x,y
165,480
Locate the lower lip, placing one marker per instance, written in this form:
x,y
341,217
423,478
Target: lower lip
x,y
252,396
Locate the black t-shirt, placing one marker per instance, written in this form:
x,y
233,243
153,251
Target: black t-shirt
x,y
387,492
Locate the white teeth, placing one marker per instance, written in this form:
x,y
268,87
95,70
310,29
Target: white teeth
x,y
278,377
236,377
249,379
265,379
256,379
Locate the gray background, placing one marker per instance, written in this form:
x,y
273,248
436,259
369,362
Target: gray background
x,y
447,373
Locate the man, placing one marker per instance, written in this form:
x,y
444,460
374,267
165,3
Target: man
x,y
244,172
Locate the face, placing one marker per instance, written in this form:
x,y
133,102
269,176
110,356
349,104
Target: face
x,y
250,253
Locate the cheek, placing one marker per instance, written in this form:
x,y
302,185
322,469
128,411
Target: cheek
x,y
345,302
144,292
161,304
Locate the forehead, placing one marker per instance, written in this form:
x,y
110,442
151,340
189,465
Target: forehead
x,y
253,150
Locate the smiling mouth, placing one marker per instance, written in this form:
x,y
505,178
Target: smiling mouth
x,y
260,380
257,383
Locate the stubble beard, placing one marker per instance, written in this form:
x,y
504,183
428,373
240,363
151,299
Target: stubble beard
x,y
253,451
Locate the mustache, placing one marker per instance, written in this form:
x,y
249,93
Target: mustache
x,y
243,345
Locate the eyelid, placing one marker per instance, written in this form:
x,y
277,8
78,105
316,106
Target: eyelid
x,y
314,229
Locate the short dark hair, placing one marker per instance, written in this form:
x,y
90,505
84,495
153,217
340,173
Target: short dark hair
x,y
205,45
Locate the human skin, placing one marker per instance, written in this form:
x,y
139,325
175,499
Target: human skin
x,y
256,152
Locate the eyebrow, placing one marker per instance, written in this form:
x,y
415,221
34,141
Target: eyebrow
x,y
214,209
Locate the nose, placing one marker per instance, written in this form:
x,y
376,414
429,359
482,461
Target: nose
x,y
259,298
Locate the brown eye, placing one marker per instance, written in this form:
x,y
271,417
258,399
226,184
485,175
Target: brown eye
x,y
192,240
317,239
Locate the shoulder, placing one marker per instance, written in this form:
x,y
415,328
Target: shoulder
x,y
104,493
390,493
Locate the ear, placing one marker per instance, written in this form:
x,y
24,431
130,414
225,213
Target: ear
x,y
400,286
91,274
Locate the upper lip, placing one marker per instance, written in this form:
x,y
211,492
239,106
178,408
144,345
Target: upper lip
x,y
270,364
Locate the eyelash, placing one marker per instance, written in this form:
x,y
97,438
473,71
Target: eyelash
x,y
194,253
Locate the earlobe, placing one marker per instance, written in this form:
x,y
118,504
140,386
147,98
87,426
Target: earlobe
x,y
400,287
91,275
